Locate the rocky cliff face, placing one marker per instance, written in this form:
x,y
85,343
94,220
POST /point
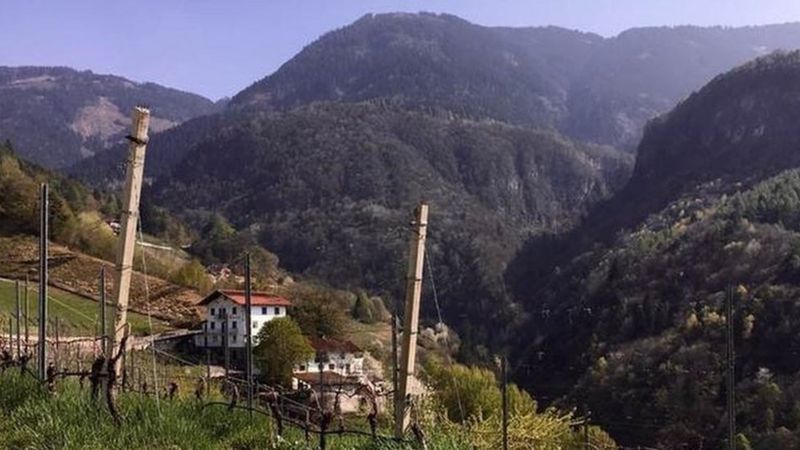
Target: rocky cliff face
x,y
740,128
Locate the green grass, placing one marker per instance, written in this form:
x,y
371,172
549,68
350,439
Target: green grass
x,y
78,316
32,419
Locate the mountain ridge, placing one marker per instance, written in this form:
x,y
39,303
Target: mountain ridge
x,y
57,116
407,55
551,76
588,87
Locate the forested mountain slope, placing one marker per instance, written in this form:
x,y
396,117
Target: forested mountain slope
x,y
740,128
354,119
638,322
56,116
591,88
330,189
636,332
323,161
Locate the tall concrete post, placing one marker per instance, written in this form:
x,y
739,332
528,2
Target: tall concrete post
x,y
128,224
408,353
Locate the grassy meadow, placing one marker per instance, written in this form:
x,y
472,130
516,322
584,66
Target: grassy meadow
x,y
30,418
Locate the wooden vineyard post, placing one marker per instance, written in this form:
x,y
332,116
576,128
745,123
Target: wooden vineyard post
x,y
225,343
11,335
208,351
103,315
17,319
395,379
43,241
27,315
56,356
248,334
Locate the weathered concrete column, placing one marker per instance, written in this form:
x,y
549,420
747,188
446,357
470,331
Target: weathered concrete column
x,y
408,353
128,225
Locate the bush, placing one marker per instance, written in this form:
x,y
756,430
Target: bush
x,y
192,275
468,393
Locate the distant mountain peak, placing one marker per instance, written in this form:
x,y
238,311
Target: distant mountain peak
x,y
56,116
590,88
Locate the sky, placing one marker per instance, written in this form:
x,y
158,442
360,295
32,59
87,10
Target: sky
x,y
218,47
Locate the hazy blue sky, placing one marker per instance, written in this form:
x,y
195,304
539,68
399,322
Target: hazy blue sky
x,y
217,47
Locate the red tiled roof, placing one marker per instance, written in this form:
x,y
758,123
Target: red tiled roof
x,y
257,298
331,345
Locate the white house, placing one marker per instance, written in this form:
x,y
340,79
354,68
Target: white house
x,y
226,312
333,356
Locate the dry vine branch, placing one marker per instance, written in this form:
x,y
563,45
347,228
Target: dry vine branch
x,y
111,391
200,388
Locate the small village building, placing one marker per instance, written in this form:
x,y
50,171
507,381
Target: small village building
x,y
335,356
225,312
337,371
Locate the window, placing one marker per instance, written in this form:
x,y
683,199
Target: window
x,y
255,324
264,310
233,324
234,338
212,311
222,311
233,310
214,338
331,366
277,311
213,325
347,368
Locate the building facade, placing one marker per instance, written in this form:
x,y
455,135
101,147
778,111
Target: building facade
x,y
340,357
226,315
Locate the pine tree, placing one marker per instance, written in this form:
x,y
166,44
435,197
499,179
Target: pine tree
x,y
362,310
